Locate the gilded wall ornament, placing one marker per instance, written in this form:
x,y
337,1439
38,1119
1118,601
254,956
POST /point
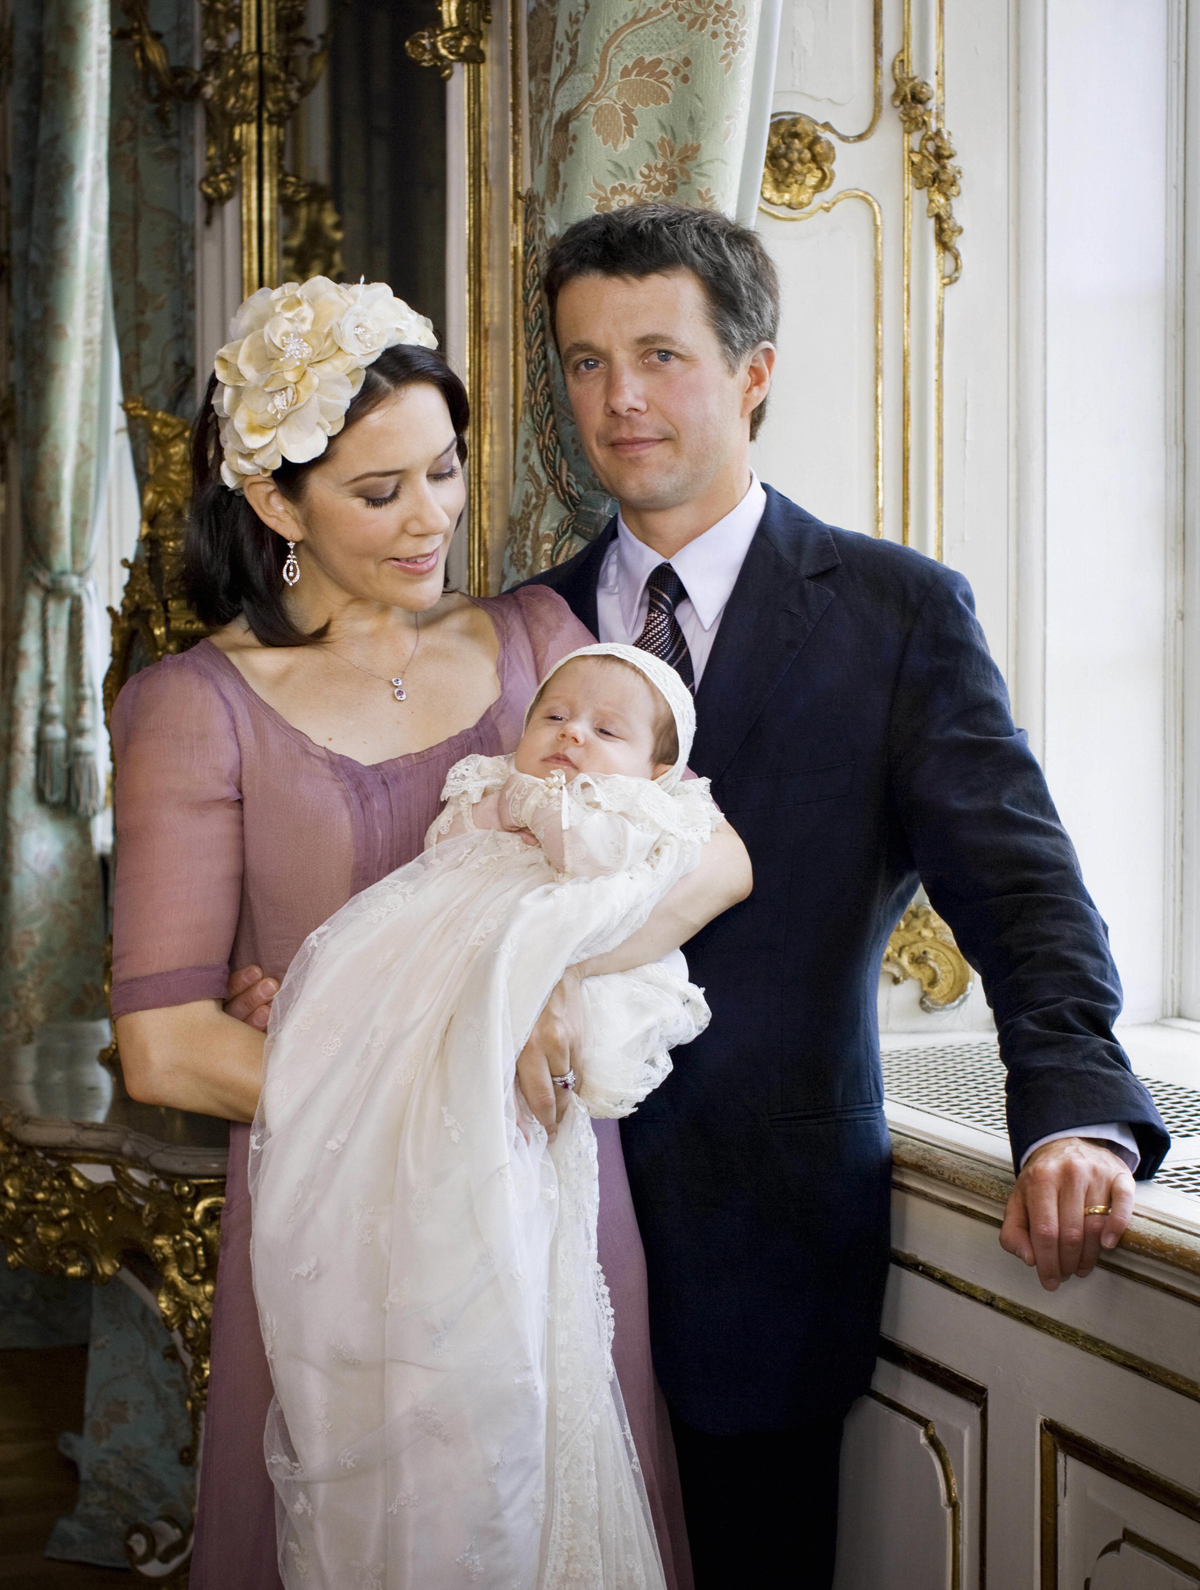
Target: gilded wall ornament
x,y
922,946
459,38
226,80
155,618
256,66
54,1219
931,163
799,162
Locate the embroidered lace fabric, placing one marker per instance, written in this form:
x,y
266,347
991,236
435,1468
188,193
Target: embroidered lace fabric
x,y
425,1262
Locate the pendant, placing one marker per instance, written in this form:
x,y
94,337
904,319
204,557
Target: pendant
x,y
399,692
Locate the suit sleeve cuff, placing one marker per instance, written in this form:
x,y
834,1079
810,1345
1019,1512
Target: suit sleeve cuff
x,y
1118,1136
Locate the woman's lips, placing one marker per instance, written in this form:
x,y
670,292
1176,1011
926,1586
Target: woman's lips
x,y
422,565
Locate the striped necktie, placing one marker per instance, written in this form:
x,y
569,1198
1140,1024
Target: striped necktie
x,y
662,636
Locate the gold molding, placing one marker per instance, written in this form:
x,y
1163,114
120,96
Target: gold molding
x,y
922,947
922,115
951,1500
877,107
287,67
799,162
1056,1441
458,40
943,1376
1069,1335
956,1384
877,234
54,1219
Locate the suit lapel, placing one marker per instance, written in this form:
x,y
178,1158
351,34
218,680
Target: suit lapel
x,y
577,581
772,611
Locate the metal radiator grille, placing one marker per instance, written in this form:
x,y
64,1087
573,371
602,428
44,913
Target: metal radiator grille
x,y
965,1082
1184,1178
960,1081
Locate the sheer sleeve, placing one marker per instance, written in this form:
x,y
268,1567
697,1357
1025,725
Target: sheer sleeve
x,y
178,839
554,631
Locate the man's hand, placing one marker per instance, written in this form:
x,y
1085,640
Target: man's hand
x,y
1045,1223
248,997
554,1041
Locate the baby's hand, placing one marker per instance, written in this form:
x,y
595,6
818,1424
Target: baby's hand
x,y
487,812
492,812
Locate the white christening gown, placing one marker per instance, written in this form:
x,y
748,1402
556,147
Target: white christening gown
x,y
446,1412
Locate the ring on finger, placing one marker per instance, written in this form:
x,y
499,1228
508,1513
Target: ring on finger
x,y
1098,1209
567,1080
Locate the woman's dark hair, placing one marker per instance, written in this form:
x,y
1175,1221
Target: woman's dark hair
x,y
232,561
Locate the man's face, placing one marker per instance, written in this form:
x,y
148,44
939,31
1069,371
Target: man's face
x,y
660,413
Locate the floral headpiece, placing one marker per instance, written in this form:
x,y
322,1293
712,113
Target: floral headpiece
x,y
296,358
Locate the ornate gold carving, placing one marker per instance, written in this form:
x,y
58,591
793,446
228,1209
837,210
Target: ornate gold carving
x,y
58,1221
799,162
226,81
256,65
459,38
931,162
922,946
154,614
312,244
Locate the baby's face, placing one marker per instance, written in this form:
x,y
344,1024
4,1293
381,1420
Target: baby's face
x,y
594,717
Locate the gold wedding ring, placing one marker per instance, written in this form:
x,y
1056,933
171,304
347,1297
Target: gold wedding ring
x,y
1098,1209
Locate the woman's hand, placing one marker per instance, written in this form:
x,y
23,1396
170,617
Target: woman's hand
x,y
553,1045
248,997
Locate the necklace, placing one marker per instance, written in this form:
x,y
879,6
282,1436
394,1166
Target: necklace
x,y
397,683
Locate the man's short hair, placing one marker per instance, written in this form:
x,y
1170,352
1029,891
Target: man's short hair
x,y
733,267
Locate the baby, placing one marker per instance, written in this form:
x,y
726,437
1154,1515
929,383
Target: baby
x,y
424,1260
594,714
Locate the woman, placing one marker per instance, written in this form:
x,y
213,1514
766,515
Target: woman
x,y
296,756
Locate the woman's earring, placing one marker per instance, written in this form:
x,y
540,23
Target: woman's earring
x,y
291,566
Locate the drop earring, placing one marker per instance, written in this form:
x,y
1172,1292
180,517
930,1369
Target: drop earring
x,y
291,566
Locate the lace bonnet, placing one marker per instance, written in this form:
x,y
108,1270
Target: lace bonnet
x,y
664,679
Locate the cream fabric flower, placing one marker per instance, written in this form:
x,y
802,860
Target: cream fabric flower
x,y
294,361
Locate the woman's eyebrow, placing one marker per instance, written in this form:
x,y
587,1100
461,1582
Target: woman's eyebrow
x,y
384,474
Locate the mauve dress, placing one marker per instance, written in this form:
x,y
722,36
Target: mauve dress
x,y
237,835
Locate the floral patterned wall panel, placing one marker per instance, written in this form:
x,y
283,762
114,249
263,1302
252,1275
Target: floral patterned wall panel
x,y
625,102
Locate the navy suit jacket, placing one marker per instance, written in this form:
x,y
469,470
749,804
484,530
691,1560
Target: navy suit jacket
x,y
858,736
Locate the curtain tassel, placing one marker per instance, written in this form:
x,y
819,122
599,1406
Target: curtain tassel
x,y
52,736
52,753
83,779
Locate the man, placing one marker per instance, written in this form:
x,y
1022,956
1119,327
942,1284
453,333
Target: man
x,y
858,737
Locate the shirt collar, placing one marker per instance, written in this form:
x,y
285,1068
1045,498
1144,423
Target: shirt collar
x,y
708,566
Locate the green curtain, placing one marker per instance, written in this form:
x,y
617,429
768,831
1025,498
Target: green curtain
x,y
51,928
152,219
627,102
